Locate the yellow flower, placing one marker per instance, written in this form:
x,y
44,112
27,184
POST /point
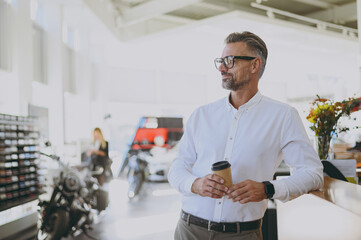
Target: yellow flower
x,y
325,114
324,117
312,116
323,108
316,112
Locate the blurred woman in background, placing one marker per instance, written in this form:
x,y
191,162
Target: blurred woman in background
x,y
100,146
100,156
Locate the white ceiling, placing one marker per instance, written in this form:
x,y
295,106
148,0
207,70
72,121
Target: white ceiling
x,y
131,19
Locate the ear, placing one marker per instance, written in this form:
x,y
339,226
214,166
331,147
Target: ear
x,y
256,65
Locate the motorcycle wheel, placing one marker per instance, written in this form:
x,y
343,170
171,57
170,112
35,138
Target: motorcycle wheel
x,y
102,199
135,183
58,222
123,166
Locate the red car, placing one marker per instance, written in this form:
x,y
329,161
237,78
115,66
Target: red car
x,y
164,132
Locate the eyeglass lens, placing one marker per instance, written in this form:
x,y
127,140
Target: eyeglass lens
x,y
228,62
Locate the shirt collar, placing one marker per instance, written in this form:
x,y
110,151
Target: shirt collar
x,y
252,102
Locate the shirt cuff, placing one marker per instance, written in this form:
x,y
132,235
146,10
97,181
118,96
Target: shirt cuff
x,y
280,190
188,185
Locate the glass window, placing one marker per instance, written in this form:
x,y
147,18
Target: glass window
x,y
5,36
39,54
69,82
70,37
37,14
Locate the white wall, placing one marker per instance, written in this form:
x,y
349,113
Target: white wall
x,y
177,68
9,93
13,90
69,114
167,74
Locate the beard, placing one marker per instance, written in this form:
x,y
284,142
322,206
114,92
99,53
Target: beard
x,y
230,83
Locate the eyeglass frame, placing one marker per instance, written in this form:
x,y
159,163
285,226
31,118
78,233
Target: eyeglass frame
x,y
248,58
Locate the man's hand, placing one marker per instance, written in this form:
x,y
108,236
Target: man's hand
x,y
247,191
210,185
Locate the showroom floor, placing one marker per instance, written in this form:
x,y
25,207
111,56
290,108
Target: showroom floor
x,y
153,215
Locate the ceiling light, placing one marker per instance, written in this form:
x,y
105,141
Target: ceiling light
x,y
270,14
321,25
352,34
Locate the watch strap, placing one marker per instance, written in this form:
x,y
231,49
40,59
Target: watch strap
x,y
269,189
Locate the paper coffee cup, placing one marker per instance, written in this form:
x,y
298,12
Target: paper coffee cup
x,y
223,169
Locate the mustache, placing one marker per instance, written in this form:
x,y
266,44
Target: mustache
x,y
225,74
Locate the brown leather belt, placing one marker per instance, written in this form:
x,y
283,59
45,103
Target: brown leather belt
x,y
221,227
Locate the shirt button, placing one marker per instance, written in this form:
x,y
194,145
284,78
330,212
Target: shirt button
x,y
230,138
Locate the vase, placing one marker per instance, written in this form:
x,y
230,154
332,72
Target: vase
x,y
323,146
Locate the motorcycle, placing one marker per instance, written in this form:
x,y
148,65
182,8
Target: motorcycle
x,y
150,151
101,168
148,166
73,204
137,173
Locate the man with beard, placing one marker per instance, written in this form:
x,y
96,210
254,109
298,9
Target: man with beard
x,y
254,134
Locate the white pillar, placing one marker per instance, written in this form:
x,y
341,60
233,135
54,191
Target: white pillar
x,y
359,37
53,12
23,53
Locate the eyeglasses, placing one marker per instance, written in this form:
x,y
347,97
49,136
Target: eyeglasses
x,y
228,61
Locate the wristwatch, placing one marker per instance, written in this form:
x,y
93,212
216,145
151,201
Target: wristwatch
x,y
269,189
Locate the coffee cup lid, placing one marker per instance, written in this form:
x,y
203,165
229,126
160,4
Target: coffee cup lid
x,y
220,165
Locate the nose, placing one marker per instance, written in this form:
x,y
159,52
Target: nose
x,y
222,68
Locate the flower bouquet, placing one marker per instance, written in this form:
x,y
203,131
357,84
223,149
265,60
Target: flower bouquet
x,y
324,116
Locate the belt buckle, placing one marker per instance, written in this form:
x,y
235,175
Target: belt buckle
x,y
210,226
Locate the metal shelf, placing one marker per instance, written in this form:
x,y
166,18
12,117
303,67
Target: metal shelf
x,y
17,133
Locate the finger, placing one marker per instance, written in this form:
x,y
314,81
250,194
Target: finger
x,y
237,189
216,178
215,191
241,196
249,196
218,186
245,200
212,194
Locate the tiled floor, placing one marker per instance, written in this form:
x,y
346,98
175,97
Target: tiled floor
x,y
153,215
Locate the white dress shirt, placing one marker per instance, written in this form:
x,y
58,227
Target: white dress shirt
x,y
254,139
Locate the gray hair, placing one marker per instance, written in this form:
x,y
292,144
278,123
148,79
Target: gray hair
x,y
254,43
